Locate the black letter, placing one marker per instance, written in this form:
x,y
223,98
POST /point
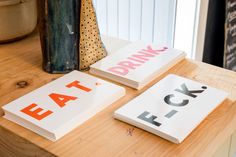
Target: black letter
x,y
185,91
168,101
150,119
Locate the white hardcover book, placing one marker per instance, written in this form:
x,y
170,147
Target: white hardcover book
x,y
171,108
137,64
58,107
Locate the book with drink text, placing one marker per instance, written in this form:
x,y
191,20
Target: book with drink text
x,y
58,107
137,64
171,108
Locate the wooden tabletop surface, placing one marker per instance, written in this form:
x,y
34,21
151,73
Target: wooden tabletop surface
x,y
21,72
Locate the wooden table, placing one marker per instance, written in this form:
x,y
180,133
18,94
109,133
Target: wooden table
x,y
21,72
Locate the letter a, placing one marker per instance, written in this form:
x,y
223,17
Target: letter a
x,y
61,99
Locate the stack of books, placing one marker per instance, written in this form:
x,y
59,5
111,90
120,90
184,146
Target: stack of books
x,y
171,108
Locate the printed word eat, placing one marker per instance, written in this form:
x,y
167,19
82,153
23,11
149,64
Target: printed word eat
x,y
60,100
135,60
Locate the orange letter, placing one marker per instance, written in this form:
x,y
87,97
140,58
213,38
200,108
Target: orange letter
x,y
35,113
77,85
61,99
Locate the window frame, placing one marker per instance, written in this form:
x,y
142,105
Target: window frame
x,y
197,21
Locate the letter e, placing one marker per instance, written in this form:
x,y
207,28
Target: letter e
x,y
35,113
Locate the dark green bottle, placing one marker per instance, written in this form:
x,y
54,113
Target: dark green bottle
x,y
59,34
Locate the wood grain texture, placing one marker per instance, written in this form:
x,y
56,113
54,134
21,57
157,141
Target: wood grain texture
x,y
232,152
12,145
224,149
102,135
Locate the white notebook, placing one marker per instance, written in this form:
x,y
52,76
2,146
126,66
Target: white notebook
x,y
171,108
56,108
137,64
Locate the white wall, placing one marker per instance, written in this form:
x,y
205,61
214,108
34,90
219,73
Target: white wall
x,y
149,20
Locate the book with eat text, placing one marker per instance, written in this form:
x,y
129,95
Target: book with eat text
x,y
171,108
137,64
61,105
